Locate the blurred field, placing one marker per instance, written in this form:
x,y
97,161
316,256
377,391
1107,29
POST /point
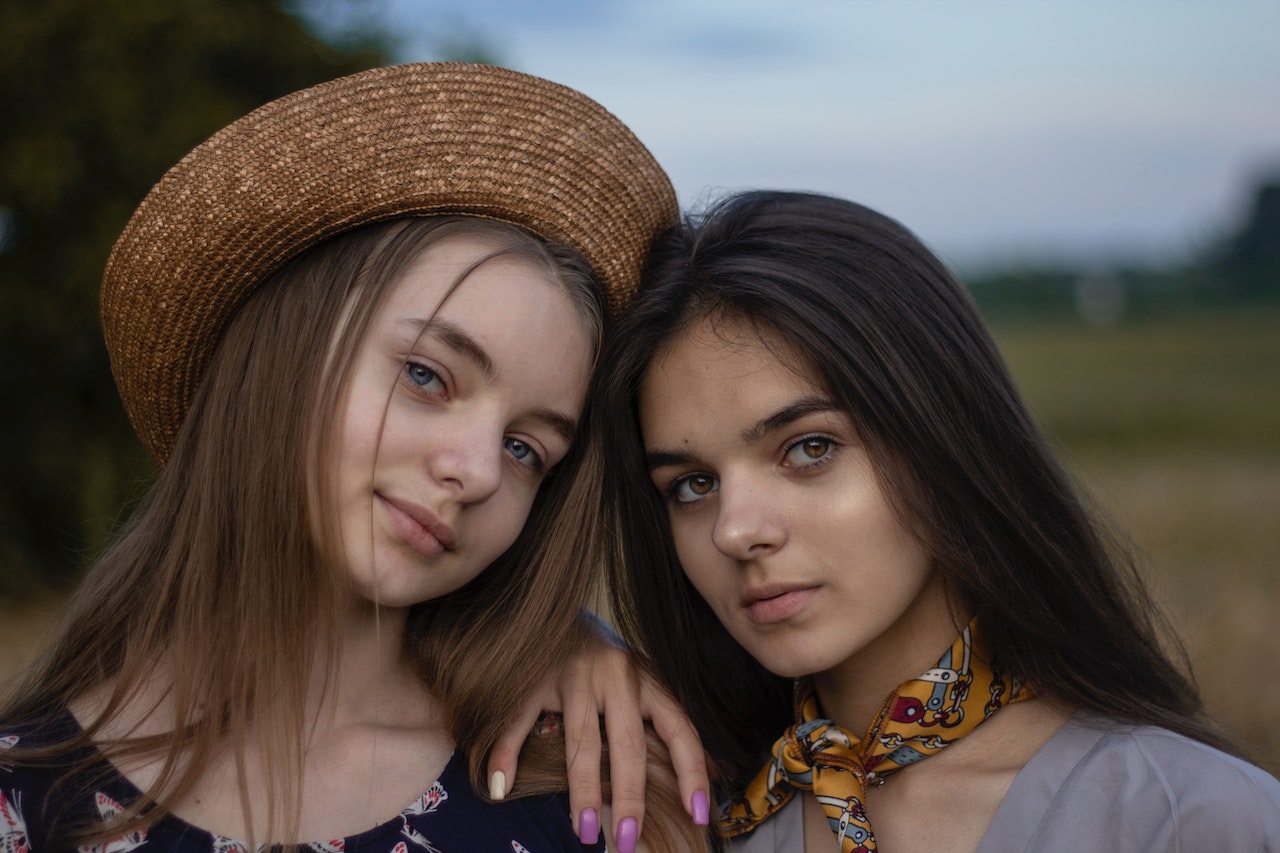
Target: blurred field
x,y
1173,424
23,631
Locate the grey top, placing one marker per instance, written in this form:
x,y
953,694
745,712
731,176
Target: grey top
x,y
1101,785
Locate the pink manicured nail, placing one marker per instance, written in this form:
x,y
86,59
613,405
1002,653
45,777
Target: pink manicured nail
x,y
627,835
589,826
701,811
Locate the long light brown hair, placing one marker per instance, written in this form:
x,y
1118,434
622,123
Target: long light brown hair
x,y
215,568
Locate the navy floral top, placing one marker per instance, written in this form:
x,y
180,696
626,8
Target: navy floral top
x,y
448,818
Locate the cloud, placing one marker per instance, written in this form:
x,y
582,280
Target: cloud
x,y
1075,124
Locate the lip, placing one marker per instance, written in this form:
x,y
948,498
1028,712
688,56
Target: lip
x,y
777,602
420,528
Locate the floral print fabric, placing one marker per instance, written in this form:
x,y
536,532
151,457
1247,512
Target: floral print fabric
x,y
447,818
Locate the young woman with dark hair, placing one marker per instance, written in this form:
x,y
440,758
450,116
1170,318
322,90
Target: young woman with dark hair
x,y
356,328
845,546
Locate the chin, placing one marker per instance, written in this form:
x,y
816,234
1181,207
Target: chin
x,y
785,665
389,591
789,669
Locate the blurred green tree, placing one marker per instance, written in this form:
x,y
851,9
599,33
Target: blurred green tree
x,y
98,98
1248,262
1242,267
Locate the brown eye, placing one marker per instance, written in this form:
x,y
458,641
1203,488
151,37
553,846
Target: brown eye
x,y
809,451
693,488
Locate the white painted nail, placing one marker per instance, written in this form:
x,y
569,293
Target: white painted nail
x,y
498,785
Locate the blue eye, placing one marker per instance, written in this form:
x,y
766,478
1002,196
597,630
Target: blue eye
x,y
424,377
692,488
523,453
810,450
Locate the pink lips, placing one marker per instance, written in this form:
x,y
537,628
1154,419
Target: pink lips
x,y
776,604
420,528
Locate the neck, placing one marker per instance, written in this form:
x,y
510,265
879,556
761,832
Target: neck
x,y
852,692
372,682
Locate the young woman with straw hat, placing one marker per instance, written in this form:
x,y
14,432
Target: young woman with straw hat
x,y
849,551
356,328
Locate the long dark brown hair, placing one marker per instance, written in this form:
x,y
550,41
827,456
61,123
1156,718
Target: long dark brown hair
x,y
215,568
901,348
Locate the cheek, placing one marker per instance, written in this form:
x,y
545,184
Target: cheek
x,y
504,519
362,431
865,526
897,546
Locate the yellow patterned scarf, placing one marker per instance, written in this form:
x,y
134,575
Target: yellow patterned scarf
x,y
921,717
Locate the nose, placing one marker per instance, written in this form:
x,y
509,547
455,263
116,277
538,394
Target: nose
x,y
466,458
749,522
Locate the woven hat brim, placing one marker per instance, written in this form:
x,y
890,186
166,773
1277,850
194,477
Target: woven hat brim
x,y
410,140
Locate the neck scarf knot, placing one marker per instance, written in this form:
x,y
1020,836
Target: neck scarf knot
x,y
917,720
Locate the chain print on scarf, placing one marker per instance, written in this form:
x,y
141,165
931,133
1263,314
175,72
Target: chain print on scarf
x,y
924,715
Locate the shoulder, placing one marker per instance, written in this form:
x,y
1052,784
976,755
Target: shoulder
x,y
19,739
25,786
39,803
1164,765
1141,787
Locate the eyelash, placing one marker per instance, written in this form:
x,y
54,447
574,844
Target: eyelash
x,y
416,367
671,494
539,464
831,443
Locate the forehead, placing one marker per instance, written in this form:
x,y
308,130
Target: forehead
x,y
720,346
449,263
511,305
482,274
719,369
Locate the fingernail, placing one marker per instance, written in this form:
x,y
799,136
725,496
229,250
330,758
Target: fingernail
x,y
627,835
589,826
701,810
498,785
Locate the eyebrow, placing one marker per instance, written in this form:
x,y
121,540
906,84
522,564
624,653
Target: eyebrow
x,y
662,458
457,339
786,415
564,426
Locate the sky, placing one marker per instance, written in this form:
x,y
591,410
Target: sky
x,y
1001,131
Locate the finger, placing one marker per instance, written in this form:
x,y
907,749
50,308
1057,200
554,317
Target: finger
x,y
506,750
582,745
624,725
688,758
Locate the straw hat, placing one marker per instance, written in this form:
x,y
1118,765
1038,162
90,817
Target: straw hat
x,y
422,139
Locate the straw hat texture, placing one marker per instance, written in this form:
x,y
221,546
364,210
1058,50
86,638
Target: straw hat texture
x,y
410,140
